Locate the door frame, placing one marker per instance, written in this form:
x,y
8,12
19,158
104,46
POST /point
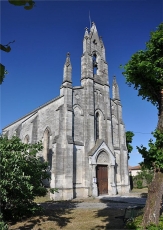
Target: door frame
x,y
108,160
98,186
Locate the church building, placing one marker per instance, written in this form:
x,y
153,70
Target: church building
x,y
82,130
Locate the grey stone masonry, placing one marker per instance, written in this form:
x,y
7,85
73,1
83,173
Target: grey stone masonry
x,y
82,130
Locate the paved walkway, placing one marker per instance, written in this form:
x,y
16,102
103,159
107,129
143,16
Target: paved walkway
x,y
101,202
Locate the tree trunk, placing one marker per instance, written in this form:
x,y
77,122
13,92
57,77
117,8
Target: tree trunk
x,y
154,200
155,190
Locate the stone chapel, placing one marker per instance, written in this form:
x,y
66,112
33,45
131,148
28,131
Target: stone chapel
x,y
82,130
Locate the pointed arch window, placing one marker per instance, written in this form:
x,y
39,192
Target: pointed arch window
x,y
26,139
95,65
97,126
46,144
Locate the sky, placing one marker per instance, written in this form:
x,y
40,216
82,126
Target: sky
x,y
45,34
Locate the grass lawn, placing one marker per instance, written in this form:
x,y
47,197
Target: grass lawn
x,y
85,219
72,218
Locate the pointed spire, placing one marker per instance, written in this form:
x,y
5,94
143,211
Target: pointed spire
x,y
67,71
93,28
115,90
68,62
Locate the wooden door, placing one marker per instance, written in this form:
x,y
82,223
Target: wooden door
x,y
102,179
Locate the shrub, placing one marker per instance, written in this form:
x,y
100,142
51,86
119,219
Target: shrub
x,y
3,225
137,224
139,184
145,176
22,173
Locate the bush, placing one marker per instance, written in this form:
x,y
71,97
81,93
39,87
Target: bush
x,y
3,225
136,224
139,184
145,176
22,173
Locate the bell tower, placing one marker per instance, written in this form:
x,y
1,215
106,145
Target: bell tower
x,y
95,81
93,62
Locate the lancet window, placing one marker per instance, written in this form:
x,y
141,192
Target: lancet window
x,y
95,65
97,126
46,144
26,139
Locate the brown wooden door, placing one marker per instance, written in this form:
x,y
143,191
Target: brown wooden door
x,y
102,179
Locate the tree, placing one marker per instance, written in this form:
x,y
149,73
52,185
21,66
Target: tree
x,y
153,159
129,137
28,4
145,72
5,48
22,173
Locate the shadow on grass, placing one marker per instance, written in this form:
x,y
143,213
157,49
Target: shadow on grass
x,y
115,208
109,219
53,211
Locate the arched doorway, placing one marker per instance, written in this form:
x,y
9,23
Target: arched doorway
x,y
102,179
102,173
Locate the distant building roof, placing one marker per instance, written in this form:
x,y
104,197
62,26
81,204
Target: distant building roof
x,y
138,167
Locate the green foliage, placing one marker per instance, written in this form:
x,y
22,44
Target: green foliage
x,y
129,138
2,73
28,4
145,69
5,48
53,190
145,72
154,227
144,175
139,184
3,225
153,158
136,224
22,174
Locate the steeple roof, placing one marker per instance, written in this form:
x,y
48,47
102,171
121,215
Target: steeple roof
x,y
67,70
68,62
94,33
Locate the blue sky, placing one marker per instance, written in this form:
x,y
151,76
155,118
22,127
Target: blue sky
x,y
46,33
